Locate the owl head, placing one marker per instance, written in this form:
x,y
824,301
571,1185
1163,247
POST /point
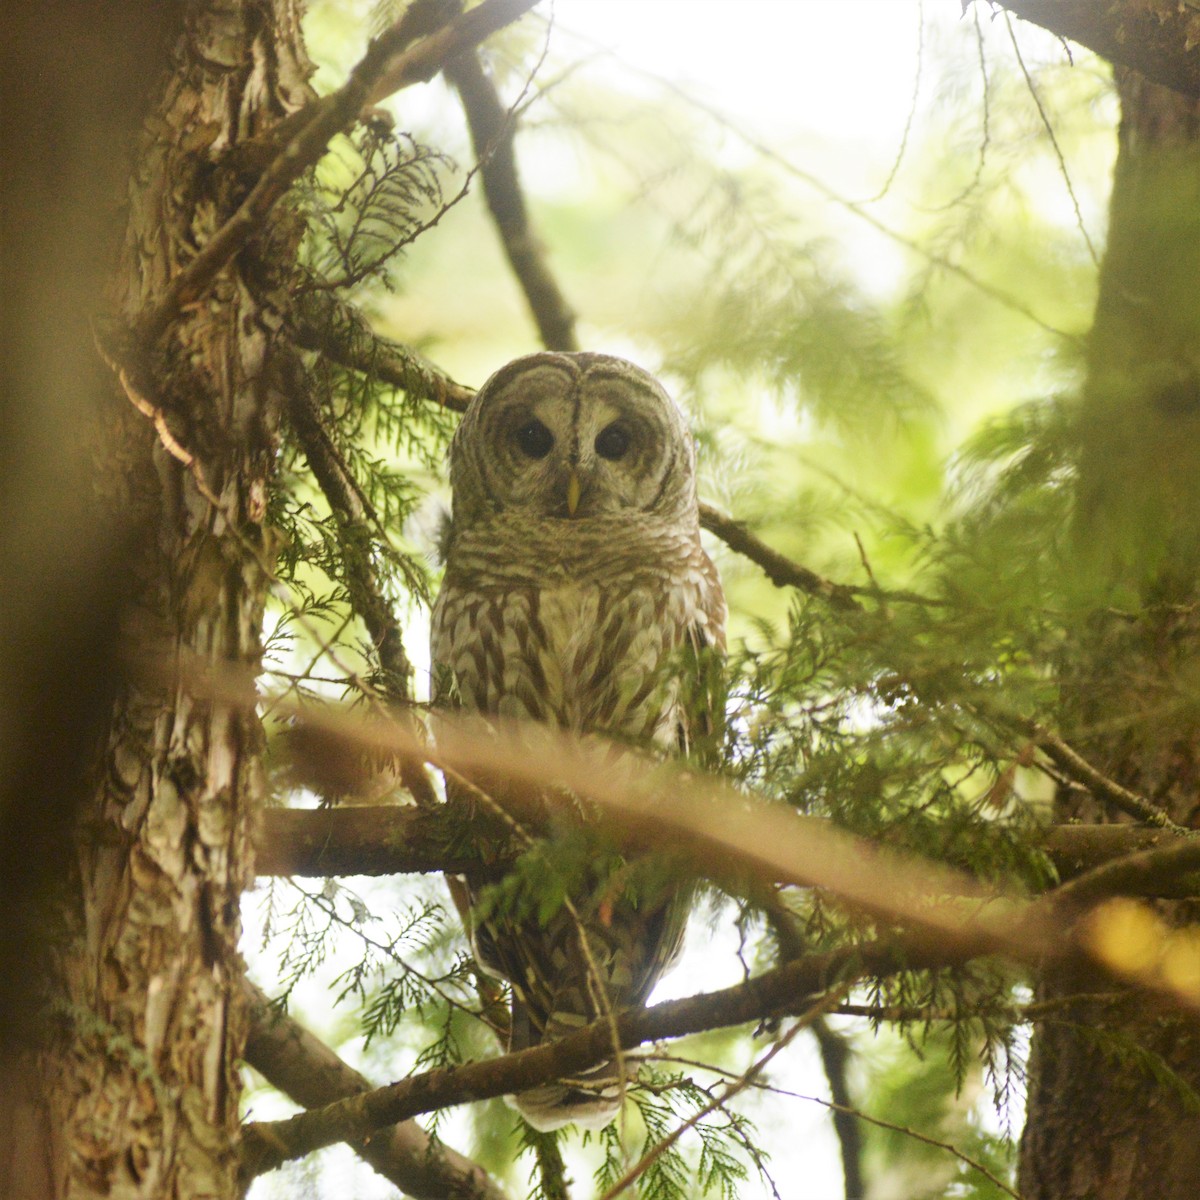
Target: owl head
x,y
568,437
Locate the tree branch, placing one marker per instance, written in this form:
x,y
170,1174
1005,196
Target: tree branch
x,y
349,510
781,571
1028,934
402,840
784,572
1157,39
835,1058
492,128
390,63
305,1069
359,840
322,322
783,991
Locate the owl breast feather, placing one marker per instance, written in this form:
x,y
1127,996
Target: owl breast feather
x,y
585,656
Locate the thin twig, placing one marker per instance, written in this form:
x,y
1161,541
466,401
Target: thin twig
x,y
859,210
900,152
848,1110
1049,128
907,1130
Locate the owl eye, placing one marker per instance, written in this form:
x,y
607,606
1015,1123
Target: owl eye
x,y
534,439
612,442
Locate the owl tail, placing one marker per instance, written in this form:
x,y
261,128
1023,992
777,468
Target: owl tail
x,y
590,1099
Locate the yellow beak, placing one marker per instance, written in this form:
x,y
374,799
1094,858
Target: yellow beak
x,y
573,490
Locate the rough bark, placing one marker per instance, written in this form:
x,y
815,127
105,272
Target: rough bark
x,y
1100,1124
140,1085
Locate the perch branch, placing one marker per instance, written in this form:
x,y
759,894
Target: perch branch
x,y
394,840
305,1069
783,991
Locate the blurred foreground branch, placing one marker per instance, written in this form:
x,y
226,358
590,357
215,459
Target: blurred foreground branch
x,y
1026,933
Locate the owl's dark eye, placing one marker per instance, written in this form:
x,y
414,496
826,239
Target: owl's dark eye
x,y
534,439
612,442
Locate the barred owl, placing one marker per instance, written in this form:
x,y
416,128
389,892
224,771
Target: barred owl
x,y
576,593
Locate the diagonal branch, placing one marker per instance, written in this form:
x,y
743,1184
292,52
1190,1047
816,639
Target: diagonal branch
x,y
350,513
780,570
492,130
392,61
1073,764
785,572
322,322
785,990
305,1069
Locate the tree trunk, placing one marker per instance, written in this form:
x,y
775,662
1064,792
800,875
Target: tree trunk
x,y
1100,1124
139,1082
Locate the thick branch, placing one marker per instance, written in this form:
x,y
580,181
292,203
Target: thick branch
x,y
322,322
389,64
306,1070
1156,37
787,989
492,128
1144,873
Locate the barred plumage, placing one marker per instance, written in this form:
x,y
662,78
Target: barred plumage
x,y
575,588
